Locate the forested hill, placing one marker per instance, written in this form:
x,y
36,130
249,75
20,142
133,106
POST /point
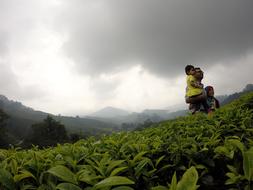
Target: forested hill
x,y
225,99
206,151
22,117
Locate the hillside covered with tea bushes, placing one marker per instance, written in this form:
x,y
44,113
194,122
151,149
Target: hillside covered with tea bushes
x,y
201,151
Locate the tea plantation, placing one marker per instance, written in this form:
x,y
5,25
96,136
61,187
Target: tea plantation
x,y
194,152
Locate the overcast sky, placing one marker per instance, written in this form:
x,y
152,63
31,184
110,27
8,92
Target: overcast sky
x,y
75,57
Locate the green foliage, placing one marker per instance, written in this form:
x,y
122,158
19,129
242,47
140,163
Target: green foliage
x,y
3,119
189,180
209,152
112,181
248,164
47,133
173,185
67,186
3,116
6,180
63,173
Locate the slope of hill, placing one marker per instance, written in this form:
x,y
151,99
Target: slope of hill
x,y
210,151
231,97
111,119
135,119
22,117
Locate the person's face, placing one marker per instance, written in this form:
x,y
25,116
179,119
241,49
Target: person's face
x,y
198,74
211,92
192,71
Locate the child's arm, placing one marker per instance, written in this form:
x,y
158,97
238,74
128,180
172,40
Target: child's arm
x,y
196,84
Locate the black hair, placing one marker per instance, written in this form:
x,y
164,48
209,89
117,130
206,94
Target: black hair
x,y
197,68
188,68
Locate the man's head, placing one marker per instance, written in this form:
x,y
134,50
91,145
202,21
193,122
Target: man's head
x,y
189,70
198,73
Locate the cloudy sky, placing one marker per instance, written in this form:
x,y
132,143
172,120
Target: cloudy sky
x,y
75,57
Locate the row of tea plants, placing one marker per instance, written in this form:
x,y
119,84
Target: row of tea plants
x,y
200,151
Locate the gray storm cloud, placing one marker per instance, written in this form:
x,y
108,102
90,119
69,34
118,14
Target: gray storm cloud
x,y
163,36
18,19
3,44
107,39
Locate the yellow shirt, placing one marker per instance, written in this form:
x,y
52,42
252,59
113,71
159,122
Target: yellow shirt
x,y
191,90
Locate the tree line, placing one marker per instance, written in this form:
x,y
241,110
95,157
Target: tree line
x,y
48,132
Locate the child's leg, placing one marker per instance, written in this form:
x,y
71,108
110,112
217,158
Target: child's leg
x,y
192,108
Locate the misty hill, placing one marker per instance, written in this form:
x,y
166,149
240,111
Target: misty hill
x,y
109,112
134,119
22,117
226,99
156,115
104,121
156,111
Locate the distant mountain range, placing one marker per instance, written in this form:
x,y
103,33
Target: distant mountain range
x,y
225,99
109,112
22,117
103,121
119,116
136,119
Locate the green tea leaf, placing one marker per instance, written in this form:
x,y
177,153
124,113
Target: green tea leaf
x,y
159,160
160,187
173,185
117,170
63,173
189,180
222,150
67,186
233,179
139,156
139,168
232,169
114,164
14,166
236,143
6,179
89,178
114,180
123,188
26,187
248,164
43,187
23,174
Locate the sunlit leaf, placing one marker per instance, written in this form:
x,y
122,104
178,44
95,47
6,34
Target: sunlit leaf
x,y
189,180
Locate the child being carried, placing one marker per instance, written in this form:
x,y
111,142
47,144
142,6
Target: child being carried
x,y
195,94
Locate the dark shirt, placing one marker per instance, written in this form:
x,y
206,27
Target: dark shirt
x,y
212,103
